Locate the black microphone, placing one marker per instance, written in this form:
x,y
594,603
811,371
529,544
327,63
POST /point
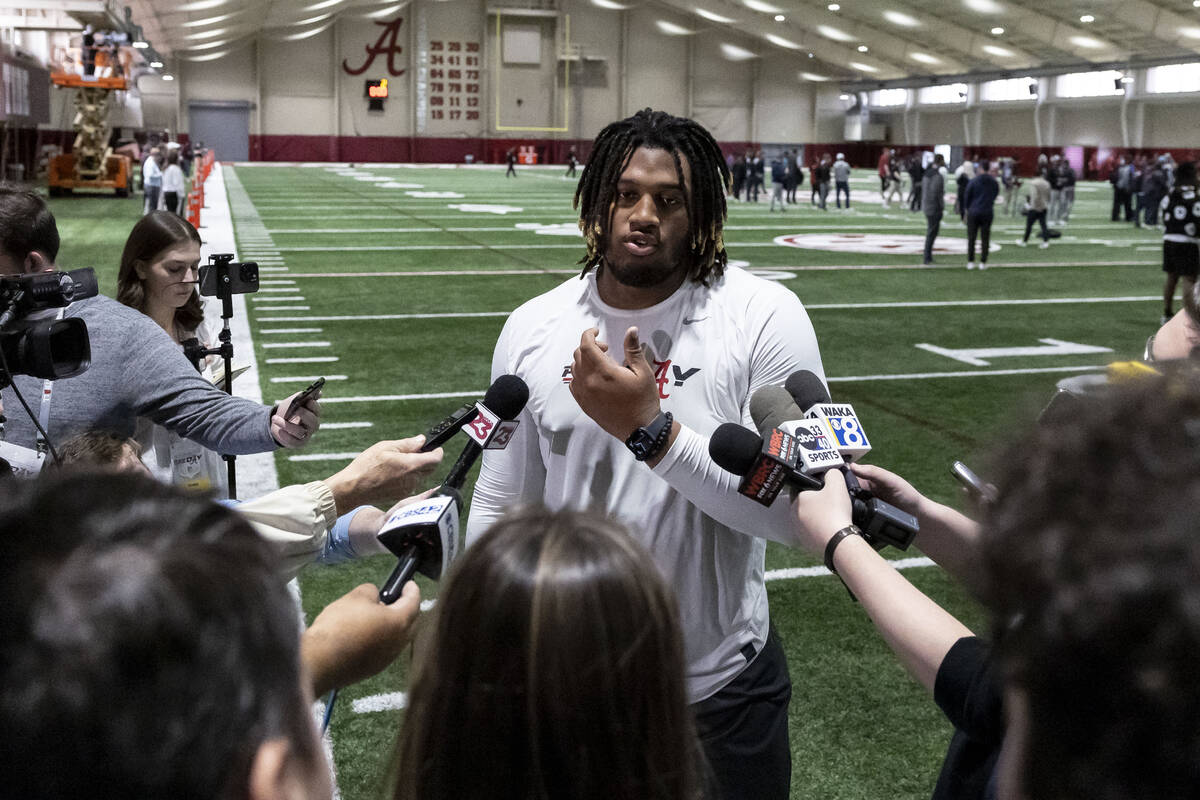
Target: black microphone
x,y
493,425
495,397
766,465
881,523
425,535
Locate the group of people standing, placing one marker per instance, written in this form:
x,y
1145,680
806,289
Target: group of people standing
x,y
164,177
1139,186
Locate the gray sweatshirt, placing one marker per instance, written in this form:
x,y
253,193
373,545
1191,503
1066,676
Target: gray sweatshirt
x,y
841,171
137,369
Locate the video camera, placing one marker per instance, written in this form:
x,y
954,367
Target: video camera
x,y
43,348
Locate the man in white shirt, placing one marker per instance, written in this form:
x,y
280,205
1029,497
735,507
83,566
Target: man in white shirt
x,y
652,208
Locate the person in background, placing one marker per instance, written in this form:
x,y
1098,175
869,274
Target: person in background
x,y
557,640
152,180
1181,236
933,202
1066,188
821,176
779,177
738,172
174,189
979,201
1037,204
756,171
841,179
1121,178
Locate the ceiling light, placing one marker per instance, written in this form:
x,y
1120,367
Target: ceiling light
x,y
1191,33
862,48
835,34
296,37
759,5
810,55
312,20
843,97
208,45
1195,3
156,65
780,17
861,67
321,6
735,53
201,5
901,19
200,23
168,77
386,11
609,4
924,58
140,45
1087,42
1087,18
781,42
984,6
997,31
214,33
671,29
711,17
1126,79
1002,52
812,76
834,7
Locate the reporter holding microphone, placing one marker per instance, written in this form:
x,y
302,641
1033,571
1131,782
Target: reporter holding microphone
x,y
936,649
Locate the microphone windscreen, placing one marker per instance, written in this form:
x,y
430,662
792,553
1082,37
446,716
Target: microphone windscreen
x,y
507,395
806,389
734,448
771,406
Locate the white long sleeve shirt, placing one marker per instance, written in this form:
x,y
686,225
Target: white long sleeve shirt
x,y
713,348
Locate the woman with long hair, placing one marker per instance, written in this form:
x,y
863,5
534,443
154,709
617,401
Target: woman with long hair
x,y
555,671
159,276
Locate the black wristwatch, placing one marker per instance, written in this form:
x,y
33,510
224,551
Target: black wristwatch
x,y
648,441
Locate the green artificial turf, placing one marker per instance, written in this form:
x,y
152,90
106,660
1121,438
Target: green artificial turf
x,y
860,727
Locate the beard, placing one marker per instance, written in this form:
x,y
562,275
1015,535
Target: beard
x,y
643,273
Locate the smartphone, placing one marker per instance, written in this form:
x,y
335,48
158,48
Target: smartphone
x,y
979,490
313,390
243,278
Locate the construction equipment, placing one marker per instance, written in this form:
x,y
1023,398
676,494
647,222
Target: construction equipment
x,y
91,164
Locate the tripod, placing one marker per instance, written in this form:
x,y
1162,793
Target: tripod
x,y
195,352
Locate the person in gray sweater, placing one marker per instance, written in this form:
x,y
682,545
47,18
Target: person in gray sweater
x,y
136,369
933,202
841,180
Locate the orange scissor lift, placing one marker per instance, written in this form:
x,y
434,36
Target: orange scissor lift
x,y
91,164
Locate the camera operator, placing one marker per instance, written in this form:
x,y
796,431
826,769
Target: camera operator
x,y
935,648
150,650
136,369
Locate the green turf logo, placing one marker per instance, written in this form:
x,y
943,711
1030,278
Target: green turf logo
x,y
880,243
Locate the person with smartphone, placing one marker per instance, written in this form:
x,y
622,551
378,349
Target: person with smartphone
x,y
158,276
136,367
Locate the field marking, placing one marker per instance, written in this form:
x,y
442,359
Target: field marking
x,y
912,376
303,360
483,273
812,307
279,289
295,344
397,701
308,378
324,456
978,356
290,330
338,426
269,309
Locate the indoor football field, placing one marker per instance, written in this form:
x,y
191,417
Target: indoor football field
x,y
393,282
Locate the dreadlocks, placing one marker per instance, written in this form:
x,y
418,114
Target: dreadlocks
x,y
705,203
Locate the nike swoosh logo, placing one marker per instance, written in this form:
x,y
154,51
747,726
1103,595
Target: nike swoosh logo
x,y
690,321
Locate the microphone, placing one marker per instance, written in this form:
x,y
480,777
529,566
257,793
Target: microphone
x,y
493,426
498,395
425,535
767,465
881,523
773,408
810,394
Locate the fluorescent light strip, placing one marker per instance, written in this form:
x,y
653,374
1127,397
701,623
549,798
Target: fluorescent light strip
x,y
711,17
781,42
834,33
